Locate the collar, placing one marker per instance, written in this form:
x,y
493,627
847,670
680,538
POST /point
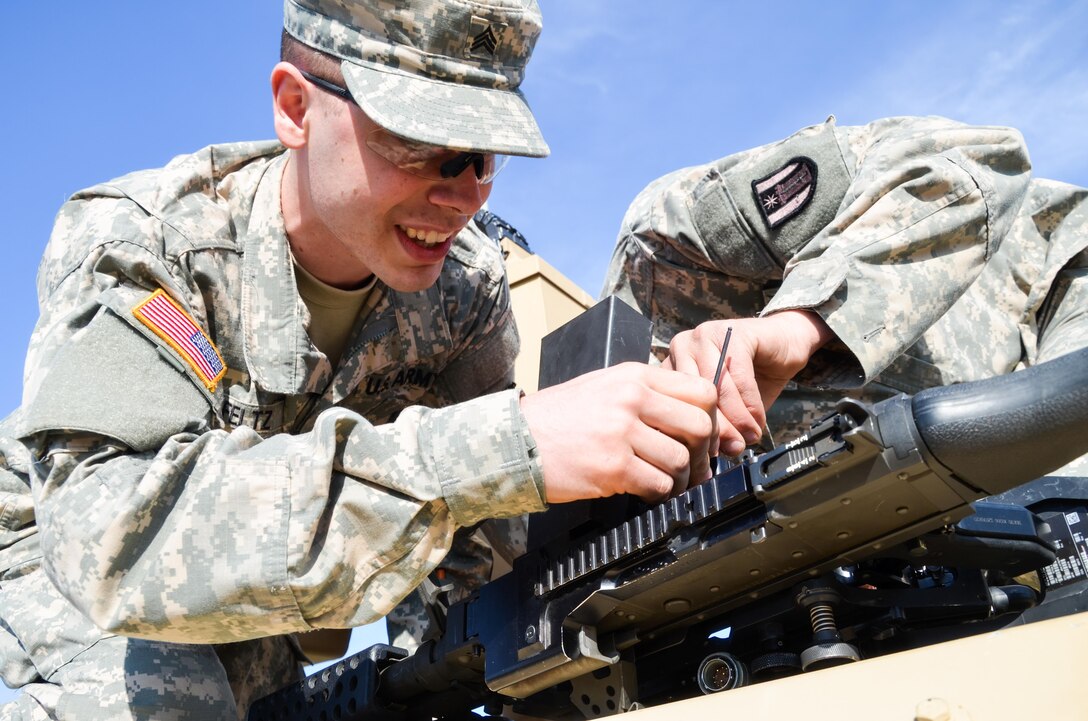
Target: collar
x,y
278,352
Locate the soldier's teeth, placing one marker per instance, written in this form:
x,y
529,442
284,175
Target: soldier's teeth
x,y
425,237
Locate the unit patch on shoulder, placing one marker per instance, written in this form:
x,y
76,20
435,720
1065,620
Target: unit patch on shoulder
x,y
167,320
786,191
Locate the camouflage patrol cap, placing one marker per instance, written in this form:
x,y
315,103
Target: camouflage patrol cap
x,y
444,72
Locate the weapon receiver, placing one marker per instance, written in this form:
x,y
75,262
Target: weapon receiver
x,y
867,534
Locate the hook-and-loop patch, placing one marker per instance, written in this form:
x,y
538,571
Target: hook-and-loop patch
x,y
166,319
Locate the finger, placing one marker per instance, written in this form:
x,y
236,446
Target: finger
x,y
687,387
693,424
669,456
737,427
770,389
680,422
745,399
700,469
688,420
741,427
642,473
698,351
649,482
720,422
716,418
682,354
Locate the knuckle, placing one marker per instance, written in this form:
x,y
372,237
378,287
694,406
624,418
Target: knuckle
x,y
681,485
757,412
660,487
677,461
631,395
708,394
679,340
710,330
615,470
665,488
729,432
704,426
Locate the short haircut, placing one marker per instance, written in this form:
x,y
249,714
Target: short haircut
x,y
313,61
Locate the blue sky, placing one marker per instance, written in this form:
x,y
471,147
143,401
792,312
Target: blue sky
x,y
624,90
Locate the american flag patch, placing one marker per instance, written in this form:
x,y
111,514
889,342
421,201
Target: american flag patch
x,y
168,321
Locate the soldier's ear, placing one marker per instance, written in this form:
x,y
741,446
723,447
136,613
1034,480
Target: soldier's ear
x,y
290,101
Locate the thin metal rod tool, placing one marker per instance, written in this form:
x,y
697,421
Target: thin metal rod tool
x,y
718,377
721,360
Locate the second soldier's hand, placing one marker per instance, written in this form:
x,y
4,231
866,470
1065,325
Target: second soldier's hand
x,y
764,354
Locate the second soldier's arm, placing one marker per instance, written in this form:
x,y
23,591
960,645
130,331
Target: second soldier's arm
x,y
886,227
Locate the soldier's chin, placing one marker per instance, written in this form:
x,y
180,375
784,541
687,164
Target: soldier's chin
x,y
419,279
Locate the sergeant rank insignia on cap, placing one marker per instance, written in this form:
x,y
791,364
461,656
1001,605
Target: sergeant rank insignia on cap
x,y
786,191
168,321
484,39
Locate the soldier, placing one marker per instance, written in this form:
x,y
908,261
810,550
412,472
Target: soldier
x,y
891,257
271,380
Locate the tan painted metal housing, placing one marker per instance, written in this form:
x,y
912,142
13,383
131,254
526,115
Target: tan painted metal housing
x,y
1034,671
543,299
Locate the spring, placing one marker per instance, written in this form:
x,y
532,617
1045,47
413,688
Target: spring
x,y
823,618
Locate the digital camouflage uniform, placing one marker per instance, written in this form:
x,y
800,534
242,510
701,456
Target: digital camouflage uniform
x,y
180,509
924,244
192,474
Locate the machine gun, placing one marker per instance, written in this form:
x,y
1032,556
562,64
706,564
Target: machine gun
x,y
865,535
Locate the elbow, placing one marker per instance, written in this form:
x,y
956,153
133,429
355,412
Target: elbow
x,y
105,596
91,594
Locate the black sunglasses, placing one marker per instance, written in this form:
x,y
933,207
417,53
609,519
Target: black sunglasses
x,y
483,165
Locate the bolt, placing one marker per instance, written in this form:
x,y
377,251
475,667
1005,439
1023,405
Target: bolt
x,y
918,548
933,709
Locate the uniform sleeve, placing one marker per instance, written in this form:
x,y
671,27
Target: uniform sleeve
x,y
156,524
485,344
1060,292
878,228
